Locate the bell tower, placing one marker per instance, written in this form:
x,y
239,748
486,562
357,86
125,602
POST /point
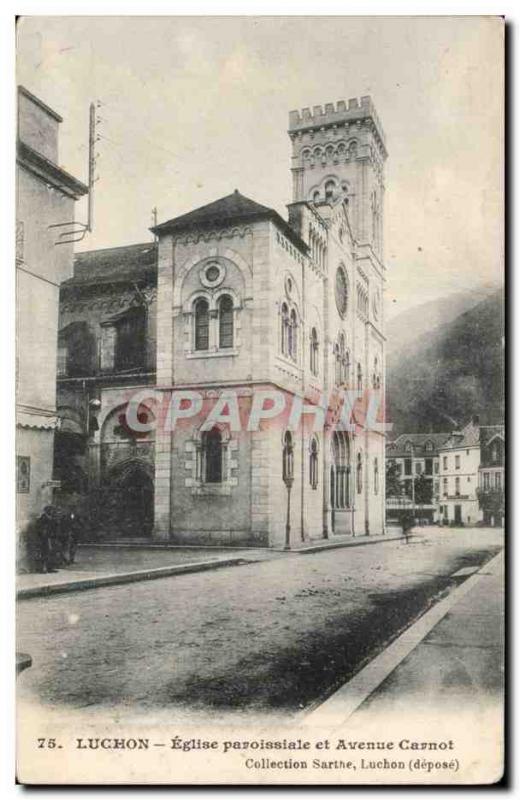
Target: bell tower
x,y
339,152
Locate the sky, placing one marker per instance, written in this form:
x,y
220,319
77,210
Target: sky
x,y
191,108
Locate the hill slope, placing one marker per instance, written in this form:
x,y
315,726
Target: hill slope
x,y
451,372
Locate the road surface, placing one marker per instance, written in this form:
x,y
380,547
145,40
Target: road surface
x,y
274,636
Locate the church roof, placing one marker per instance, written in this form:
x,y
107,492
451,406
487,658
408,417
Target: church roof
x,y
115,264
233,208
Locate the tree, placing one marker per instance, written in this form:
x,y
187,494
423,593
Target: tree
x,y
423,490
393,484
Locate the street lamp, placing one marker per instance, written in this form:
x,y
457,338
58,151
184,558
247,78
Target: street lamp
x,y
288,479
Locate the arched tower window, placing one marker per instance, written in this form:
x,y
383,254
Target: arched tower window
x,y
313,464
293,336
212,453
359,377
285,329
201,324
359,473
225,321
314,352
330,187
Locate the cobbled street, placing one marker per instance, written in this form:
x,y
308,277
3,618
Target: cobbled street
x,y
277,635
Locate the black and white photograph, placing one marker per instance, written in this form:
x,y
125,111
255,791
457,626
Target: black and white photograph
x,y
260,400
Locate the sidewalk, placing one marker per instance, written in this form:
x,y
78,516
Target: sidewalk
x,y
461,660
452,656
110,566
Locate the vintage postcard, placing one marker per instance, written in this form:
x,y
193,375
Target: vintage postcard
x,y
260,400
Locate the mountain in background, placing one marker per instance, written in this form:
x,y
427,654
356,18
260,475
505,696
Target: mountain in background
x,y
445,362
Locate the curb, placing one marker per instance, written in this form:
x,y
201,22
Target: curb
x,y
340,706
125,577
355,542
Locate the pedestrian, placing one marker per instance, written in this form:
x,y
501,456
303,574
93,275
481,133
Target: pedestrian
x,y
47,540
69,536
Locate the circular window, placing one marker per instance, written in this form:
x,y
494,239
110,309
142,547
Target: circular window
x,y
341,291
212,275
289,286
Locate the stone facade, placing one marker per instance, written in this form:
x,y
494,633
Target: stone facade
x,y
248,303
45,197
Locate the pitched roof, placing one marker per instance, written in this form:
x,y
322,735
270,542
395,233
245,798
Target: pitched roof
x,y
114,265
469,436
226,210
418,440
488,432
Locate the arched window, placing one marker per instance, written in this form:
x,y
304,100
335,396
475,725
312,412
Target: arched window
x,y
359,473
340,471
337,365
376,476
347,365
225,321
201,324
314,352
285,329
359,378
375,373
313,464
329,190
316,197
293,336
287,458
212,452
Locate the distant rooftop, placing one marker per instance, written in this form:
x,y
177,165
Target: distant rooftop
x,y
419,441
130,263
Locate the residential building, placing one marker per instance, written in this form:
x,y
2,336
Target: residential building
x,y
491,479
45,197
414,456
459,476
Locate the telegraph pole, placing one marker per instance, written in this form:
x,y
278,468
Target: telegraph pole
x,y
91,166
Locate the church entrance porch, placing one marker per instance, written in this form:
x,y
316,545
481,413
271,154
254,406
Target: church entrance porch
x,y
128,502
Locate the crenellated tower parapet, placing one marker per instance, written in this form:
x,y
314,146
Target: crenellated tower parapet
x,y
339,151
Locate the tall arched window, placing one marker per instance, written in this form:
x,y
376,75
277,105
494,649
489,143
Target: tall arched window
x,y
212,452
225,321
314,352
340,471
359,473
342,353
293,336
287,457
359,377
201,324
285,329
313,464
376,476
329,190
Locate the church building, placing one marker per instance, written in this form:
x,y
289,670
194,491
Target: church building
x,y
232,300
